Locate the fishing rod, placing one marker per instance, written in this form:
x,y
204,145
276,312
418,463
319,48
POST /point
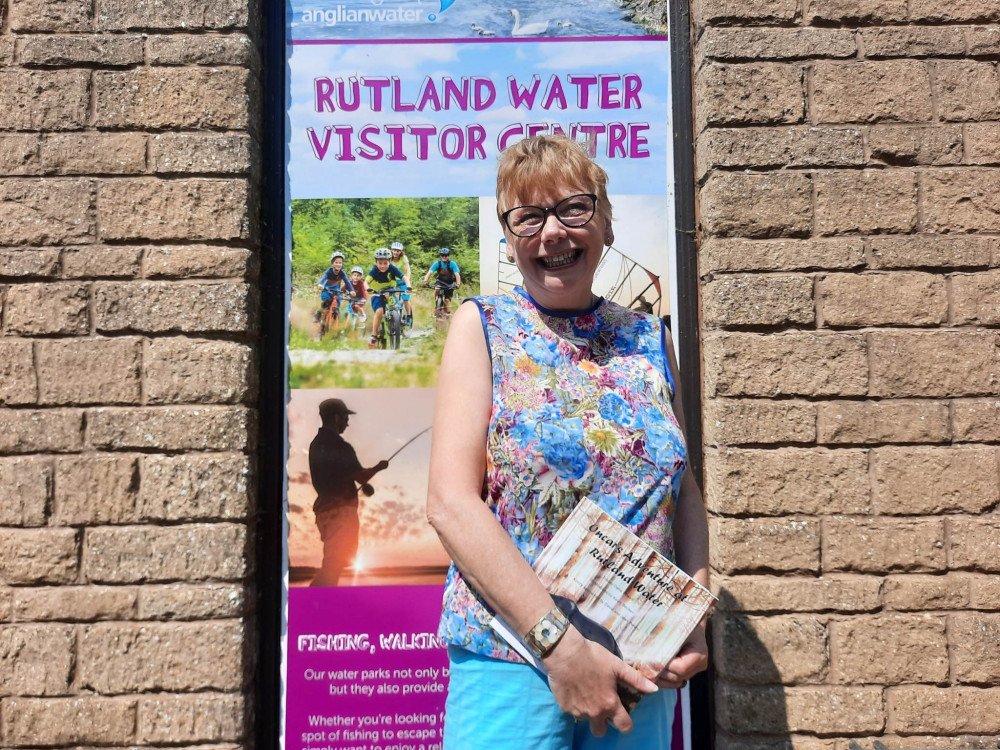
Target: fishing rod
x,y
427,429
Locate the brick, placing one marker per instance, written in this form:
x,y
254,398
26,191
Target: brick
x,y
117,658
777,44
46,212
855,11
160,307
958,11
747,11
930,481
915,145
806,364
6,604
967,90
910,648
923,592
75,603
985,592
191,602
189,153
25,489
952,363
913,41
94,153
195,209
718,255
897,90
87,49
192,487
101,262
51,15
758,94
191,718
771,594
976,419
960,200
975,544
35,659
767,650
866,422
181,370
6,50
233,49
898,298
43,100
173,428
924,708
139,554
206,261
835,710
68,721
34,556
983,40
34,309
867,201
787,480
932,251
780,147
754,545
755,300
27,263
17,373
121,15
750,709
975,647
757,205
172,98
40,431
863,545
89,371
982,142
95,489
19,153
975,298
738,422
787,742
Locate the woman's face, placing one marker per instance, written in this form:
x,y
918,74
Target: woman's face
x,y
559,262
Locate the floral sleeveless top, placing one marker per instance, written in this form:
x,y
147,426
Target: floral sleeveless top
x,y
581,407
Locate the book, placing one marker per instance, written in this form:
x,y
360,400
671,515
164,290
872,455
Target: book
x,y
621,584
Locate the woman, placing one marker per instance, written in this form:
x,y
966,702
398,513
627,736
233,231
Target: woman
x,y
554,394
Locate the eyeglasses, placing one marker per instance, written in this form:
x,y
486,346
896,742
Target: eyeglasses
x,y
575,211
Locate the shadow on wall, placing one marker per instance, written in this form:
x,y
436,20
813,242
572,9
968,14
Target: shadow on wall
x,y
750,710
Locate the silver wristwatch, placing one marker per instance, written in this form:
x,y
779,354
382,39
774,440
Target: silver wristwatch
x,y
546,633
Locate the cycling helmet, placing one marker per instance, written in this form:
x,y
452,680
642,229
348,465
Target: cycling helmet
x,y
383,253
444,251
358,269
336,254
397,245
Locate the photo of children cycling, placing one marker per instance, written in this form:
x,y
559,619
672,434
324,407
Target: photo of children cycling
x,y
382,323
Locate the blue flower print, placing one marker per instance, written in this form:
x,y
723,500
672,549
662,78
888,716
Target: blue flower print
x,y
542,351
615,409
562,446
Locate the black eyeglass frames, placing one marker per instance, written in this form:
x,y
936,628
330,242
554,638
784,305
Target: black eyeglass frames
x,y
574,211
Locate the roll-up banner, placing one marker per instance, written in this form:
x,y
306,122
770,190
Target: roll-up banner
x,y
396,111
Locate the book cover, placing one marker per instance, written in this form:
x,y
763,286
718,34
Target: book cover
x,y
622,584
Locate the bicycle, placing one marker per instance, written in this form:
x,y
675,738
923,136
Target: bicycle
x,y
441,308
390,329
355,312
328,322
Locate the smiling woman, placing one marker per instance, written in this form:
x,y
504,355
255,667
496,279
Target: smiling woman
x,y
559,395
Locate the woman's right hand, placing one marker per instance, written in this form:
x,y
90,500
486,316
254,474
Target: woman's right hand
x,y
584,678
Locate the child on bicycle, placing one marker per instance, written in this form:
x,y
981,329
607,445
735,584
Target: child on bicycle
x,y
360,295
401,262
382,276
448,276
332,284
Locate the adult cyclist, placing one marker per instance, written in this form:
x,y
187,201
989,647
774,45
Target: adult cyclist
x,y
332,285
447,274
402,262
383,275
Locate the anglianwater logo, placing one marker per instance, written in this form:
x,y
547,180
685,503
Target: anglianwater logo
x,y
375,14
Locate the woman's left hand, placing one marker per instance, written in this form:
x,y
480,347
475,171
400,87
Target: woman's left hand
x,y
690,660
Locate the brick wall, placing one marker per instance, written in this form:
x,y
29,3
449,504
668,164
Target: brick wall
x,y
847,155
127,371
